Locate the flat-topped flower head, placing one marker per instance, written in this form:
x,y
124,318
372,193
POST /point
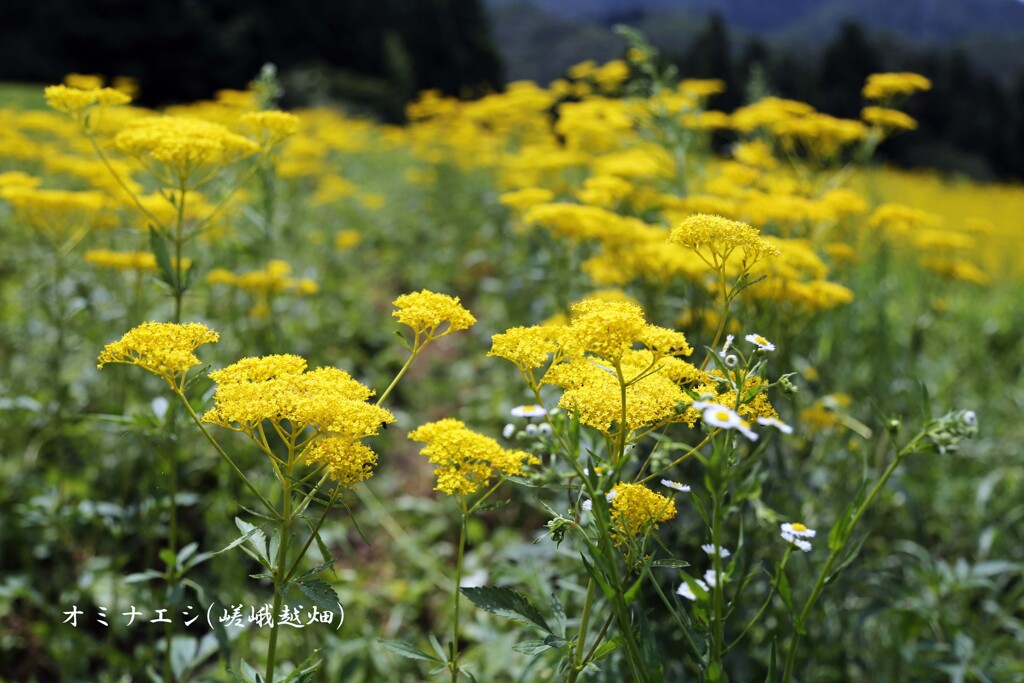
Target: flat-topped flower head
x,y
75,102
605,328
675,485
720,237
636,510
527,347
165,349
884,86
713,550
776,423
686,591
278,389
431,315
466,461
186,147
271,126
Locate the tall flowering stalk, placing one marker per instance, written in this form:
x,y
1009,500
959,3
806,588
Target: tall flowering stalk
x,y
309,424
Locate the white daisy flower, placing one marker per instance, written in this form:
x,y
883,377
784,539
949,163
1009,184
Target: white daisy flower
x,y
531,429
709,578
731,360
760,342
798,529
773,422
508,431
711,549
544,429
970,418
587,505
685,591
728,343
675,485
718,415
802,544
610,496
745,430
529,411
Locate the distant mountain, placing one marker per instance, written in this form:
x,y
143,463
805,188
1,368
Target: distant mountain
x,y
537,37
916,19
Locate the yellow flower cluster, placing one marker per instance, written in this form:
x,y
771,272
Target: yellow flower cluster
x,y
184,146
278,389
271,126
884,86
466,461
888,120
636,510
431,315
60,216
75,101
165,349
126,260
594,361
719,237
264,284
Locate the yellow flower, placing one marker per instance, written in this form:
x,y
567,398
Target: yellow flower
x,y
466,461
721,237
74,101
165,349
884,86
425,312
272,126
186,147
348,462
126,260
527,347
605,328
347,239
888,120
636,510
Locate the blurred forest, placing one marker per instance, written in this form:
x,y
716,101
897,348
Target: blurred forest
x,y
376,55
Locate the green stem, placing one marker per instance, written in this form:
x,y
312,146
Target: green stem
x,y
401,373
577,666
280,580
771,593
209,437
819,585
458,594
718,625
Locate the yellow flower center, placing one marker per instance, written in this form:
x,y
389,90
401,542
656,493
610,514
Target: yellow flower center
x,y
797,526
722,415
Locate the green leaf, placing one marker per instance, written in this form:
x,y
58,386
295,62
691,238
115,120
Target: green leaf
x,y
159,248
531,647
407,650
607,647
304,672
631,595
316,570
558,610
248,531
673,563
773,674
851,555
653,668
508,603
319,592
785,592
436,644
601,583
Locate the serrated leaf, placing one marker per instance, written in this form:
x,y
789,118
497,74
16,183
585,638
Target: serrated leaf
x,y
408,650
319,592
508,603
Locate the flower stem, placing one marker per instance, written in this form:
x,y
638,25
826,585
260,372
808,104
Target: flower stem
x,y
458,594
577,666
280,578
